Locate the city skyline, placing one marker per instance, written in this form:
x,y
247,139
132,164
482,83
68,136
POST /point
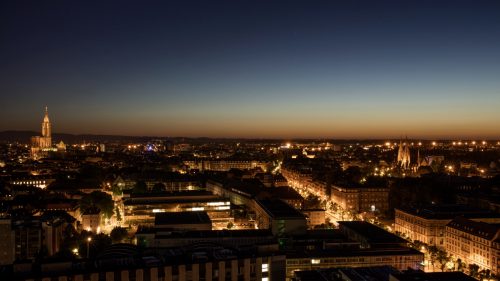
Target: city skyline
x,y
252,70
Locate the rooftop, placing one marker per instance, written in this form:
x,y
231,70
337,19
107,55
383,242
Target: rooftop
x,y
172,197
372,233
278,209
481,229
214,234
171,218
432,276
350,252
449,211
334,274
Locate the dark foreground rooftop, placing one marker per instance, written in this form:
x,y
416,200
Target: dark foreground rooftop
x,y
171,218
278,209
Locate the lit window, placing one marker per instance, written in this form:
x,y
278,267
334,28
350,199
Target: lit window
x,y
315,261
265,267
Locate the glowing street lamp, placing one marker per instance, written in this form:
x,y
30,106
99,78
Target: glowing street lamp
x,y
88,246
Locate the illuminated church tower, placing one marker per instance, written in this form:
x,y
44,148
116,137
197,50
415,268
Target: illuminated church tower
x,y
41,145
46,139
404,155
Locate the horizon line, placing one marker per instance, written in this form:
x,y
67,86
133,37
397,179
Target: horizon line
x,y
271,138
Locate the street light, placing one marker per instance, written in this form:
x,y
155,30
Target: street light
x,y
88,246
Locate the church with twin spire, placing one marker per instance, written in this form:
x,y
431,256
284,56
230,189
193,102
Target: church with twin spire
x,y
404,155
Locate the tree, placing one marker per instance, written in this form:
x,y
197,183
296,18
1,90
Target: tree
x,y
97,244
142,243
140,188
460,265
100,242
473,270
328,224
443,259
417,245
484,274
352,174
89,171
312,202
116,190
118,234
118,214
100,200
42,253
64,254
334,207
433,253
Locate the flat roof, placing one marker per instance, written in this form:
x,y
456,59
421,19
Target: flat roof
x,y
284,192
368,273
247,187
215,233
166,194
372,233
171,218
432,276
142,202
358,273
350,252
278,209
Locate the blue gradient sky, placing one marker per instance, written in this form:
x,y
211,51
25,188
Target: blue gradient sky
x,y
351,69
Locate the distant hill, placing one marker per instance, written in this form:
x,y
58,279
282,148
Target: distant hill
x,y
20,136
25,137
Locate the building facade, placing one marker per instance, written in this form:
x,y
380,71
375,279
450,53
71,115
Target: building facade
x,y
361,199
223,165
474,242
401,259
217,264
6,241
314,217
428,225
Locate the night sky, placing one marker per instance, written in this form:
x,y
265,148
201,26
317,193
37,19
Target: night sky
x,y
256,69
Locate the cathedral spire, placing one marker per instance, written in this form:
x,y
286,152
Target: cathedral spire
x,y
46,117
46,127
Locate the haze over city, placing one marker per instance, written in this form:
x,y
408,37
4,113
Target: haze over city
x,y
380,69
